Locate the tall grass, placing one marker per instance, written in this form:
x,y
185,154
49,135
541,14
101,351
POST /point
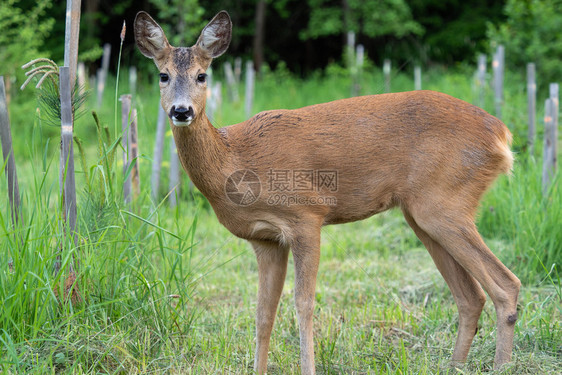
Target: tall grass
x,y
128,308
519,212
130,301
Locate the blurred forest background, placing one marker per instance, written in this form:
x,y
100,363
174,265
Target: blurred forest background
x,y
303,35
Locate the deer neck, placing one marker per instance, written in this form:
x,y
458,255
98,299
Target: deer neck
x,y
203,153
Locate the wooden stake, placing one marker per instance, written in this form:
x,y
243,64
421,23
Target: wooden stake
x,y
498,64
357,69
231,83
386,70
554,97
238,69
531,105
133,80
67,150
417,78
8,153
102,73
134,153
481,79
82,76
125,112
549,151
210,107
157,155
249,88
174,186
71,38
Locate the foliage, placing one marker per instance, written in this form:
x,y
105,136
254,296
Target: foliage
x,y
181,19
23,33
454,29
532,33
373,19
49,101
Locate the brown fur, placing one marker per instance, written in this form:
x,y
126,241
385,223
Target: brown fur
x,y
428,153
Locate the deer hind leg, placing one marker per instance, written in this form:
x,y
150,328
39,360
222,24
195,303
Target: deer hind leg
x,y
306,254
468,294
272,268
457,234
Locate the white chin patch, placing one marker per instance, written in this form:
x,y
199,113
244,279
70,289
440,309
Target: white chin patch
x,y
181,123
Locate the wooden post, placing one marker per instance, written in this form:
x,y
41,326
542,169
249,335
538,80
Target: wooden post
x,y
249,88
67,150
357,69
210,107
174,186
238,69
133,80
386,70
531,105
549,151
360,55
481,80
349,58
125,112
8,153
217,94
214,99
71,38
417,78
134,153
554,96
158,148
498,65
102,73
82,80
231,83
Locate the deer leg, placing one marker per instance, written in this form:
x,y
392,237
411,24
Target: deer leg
x,y
458,235
306,254
468,294
272,268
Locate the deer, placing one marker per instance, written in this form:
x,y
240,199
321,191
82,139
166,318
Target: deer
x,y
426,153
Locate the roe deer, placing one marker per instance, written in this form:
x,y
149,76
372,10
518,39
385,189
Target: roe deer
x,y
278,177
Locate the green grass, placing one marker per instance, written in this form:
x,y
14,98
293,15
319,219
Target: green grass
x,y
171,291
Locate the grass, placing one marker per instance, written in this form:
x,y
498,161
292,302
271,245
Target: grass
x,y
169,290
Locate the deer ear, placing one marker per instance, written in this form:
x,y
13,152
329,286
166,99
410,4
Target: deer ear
x,y
149,36
215,37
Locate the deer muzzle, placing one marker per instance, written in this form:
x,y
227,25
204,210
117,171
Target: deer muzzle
x,y
181,116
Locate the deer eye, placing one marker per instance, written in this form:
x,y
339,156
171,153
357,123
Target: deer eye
x,y
164,77
201,78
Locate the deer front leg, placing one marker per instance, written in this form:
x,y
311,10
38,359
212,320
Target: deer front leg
x,y
306,253
272,268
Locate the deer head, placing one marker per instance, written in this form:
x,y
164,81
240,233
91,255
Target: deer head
x,y
183,78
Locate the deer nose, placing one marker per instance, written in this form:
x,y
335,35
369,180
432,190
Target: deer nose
x,y
182,114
